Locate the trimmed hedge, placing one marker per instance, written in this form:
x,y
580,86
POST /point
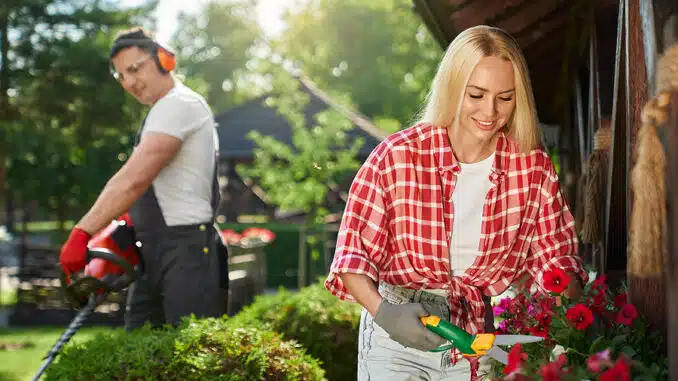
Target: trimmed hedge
x,y
200,349
326,326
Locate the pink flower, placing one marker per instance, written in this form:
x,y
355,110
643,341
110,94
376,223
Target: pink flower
x,y
503,325
595,363
502,306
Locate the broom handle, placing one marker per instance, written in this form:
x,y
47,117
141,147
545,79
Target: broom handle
x,y
77,322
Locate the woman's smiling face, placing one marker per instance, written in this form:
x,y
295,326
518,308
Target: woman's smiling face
x,y
489,99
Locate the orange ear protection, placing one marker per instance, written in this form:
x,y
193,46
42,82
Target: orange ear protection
x,y
165,59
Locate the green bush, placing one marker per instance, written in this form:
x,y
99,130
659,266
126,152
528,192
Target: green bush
x,y
326,326
6,376
200,349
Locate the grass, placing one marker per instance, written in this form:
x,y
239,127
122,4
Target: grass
x,y
44,226
21,364
7,298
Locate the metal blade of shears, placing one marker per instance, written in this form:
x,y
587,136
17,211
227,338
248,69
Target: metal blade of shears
x,y
515,339
498,354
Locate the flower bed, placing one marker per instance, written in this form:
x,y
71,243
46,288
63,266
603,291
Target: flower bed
x,y
249,238
598,335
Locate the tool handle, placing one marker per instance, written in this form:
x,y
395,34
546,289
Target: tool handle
x,y
458,337
77,322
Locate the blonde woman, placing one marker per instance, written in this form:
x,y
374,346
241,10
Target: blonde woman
x,y
451,211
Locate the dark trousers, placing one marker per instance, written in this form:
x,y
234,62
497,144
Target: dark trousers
x,y
181,276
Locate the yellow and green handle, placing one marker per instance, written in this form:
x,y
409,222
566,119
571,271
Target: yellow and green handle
x,y
467,344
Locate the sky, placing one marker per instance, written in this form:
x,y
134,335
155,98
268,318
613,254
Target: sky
x,y
268,14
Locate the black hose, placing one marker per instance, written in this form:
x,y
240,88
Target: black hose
x,y
75,325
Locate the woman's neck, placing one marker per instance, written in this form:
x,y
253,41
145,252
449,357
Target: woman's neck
x,y
468,148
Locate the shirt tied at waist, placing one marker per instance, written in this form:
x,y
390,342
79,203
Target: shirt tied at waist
x,y
467,310
468,300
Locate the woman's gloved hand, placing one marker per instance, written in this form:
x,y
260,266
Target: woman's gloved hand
x,y
402,323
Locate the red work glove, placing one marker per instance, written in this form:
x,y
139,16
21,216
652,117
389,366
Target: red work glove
x,y
74,252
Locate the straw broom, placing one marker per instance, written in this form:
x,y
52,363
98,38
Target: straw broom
x,y
596,169
647,255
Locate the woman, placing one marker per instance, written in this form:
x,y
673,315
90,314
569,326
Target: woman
x,y
451,211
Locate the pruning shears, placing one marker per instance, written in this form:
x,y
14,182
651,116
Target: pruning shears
x,y
481,344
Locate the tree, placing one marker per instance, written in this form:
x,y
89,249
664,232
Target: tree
x,y
214,47
74,118
377,51
299,177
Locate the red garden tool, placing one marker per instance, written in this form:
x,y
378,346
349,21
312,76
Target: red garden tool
x,y
111,259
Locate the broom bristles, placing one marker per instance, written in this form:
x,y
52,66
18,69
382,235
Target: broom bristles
x,y
595,179
649,297
646,253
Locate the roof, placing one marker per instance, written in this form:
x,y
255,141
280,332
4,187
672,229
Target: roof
x,y
543,28
235,124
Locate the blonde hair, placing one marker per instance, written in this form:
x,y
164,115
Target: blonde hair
x,y
444,100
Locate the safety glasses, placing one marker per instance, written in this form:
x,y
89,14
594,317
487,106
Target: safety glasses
x,y
130,70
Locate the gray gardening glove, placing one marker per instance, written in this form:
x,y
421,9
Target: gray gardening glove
x,y
401,322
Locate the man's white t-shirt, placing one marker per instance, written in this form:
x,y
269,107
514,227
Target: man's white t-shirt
x,y
184,187
473,183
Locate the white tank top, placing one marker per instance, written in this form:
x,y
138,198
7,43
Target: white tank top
x,y
468,199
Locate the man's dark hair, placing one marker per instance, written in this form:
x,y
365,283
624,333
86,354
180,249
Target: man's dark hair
x,y
137,36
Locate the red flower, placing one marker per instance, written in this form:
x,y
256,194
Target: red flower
x,y
599,283
627,314
544,319
556,280
542,326
553,370
620,300
230,237
515,360
540,331
261,233
546,304
580,316
620,372
595,363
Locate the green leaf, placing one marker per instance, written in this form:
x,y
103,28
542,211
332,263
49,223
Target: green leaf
x,y
629,351
599,345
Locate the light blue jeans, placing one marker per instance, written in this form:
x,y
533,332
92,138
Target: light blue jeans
x,y
382,359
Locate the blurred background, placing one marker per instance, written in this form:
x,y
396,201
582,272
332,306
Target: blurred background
x,y
302,91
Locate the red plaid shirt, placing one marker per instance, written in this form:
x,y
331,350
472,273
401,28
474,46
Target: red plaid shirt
x,y
397,223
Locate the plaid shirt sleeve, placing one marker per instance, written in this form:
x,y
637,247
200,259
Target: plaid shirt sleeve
x,y
363,233
554,243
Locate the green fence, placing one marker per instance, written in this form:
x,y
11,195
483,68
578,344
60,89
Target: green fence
x,y
283,254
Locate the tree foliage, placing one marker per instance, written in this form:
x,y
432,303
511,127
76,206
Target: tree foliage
x,y
299,177
69,121
377,51
214,45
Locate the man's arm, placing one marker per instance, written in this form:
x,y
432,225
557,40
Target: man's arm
x,y
154,152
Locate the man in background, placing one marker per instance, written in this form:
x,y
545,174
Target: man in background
x,y
168,186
